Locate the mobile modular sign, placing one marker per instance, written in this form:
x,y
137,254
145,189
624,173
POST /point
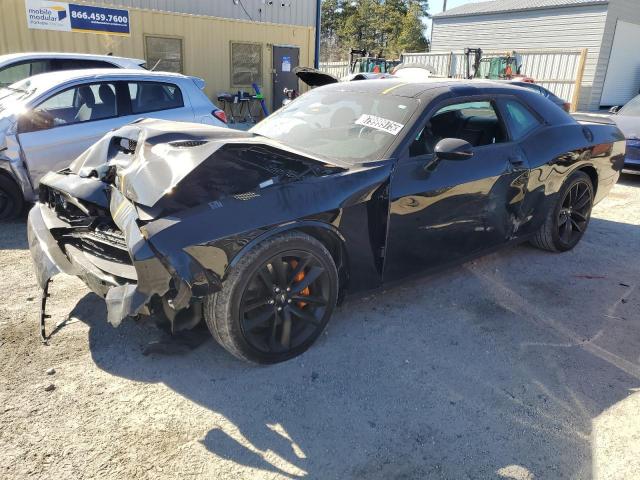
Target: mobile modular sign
x,y
71,17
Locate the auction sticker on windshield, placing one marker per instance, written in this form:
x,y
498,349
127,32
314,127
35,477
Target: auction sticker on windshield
x,y
380,123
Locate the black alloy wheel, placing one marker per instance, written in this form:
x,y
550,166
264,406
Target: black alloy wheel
x,y
276,301
574,213
283,306
567,220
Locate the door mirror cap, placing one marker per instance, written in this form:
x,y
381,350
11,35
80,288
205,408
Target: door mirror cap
x,y
614,109
453,149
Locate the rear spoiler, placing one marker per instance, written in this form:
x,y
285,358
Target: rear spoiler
x,y
200,83
599,118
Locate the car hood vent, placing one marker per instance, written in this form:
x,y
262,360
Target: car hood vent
x,y
187,143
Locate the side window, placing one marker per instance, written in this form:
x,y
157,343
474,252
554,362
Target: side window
x,y
20,71
475,122
78,64
153,96
521,121
84,103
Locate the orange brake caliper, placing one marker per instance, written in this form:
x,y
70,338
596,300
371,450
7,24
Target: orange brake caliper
x,y
298,278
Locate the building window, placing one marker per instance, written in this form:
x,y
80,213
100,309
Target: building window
x,y
246,64
164,53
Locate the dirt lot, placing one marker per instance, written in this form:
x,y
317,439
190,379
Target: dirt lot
x,y
520,365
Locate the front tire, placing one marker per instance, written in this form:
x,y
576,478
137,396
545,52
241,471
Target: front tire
x,y
276,301
568,220
11,199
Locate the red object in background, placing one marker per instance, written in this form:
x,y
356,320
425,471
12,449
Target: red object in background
x,y
220,115
376,69
508,71
566,107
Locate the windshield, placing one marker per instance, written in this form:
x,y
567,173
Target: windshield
x,y
346,126
632,108
11,96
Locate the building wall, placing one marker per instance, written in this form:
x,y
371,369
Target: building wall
x,y
627,11
294,12
206,41
558,28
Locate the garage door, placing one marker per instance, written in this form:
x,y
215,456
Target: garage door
x,y
623,74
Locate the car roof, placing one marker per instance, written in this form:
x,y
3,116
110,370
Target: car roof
x,y
64,76
17,57
423,89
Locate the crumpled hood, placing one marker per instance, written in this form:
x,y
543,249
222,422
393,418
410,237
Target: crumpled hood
x,y
165,166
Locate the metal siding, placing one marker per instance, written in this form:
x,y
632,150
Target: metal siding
x,y
510,6
206,41
295,12
566,28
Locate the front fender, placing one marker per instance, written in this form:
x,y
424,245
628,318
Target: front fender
x,y
209,239
303,225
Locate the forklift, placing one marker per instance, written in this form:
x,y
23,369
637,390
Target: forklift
x,y
501,67
361,61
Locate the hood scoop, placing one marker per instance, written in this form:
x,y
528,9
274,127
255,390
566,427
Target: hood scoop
x,y
188,143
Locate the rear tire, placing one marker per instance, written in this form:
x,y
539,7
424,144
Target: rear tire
x,y
568,220
276,301
11,199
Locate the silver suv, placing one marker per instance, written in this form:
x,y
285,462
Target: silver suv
x,y
48,120
18,66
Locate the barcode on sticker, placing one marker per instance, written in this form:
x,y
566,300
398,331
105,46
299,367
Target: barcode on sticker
x,y
380,123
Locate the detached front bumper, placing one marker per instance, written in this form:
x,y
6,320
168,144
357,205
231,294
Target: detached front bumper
x,y
125,297
48,259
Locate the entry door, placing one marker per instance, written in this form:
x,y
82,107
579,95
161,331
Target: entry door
x,y
623,71
443,211
285,59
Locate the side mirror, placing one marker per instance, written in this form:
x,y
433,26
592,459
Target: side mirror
x,y
453,149
614,109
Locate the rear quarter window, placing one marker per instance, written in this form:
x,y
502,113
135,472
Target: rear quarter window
x,y
154,96
520,119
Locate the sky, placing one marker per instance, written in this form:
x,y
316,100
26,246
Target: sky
x,y
435,6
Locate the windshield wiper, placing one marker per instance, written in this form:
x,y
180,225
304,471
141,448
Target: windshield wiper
x,y
14,89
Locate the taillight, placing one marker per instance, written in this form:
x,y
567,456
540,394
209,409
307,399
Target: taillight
x,y
220,115
566,106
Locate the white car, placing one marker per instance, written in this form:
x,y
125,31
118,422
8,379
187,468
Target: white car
x,y
48,120
18,66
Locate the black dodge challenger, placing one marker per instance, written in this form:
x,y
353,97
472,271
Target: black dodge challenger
x,y
351,187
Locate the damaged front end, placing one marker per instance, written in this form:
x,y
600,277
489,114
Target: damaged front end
x,y
108,252
138,215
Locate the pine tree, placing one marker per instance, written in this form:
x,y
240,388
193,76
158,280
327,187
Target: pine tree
x,y
382,27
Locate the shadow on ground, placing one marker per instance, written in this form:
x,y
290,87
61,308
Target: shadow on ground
x,y
502,363
630,179
13,235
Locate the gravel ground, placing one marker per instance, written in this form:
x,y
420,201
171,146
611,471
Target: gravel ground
x,y
519,365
